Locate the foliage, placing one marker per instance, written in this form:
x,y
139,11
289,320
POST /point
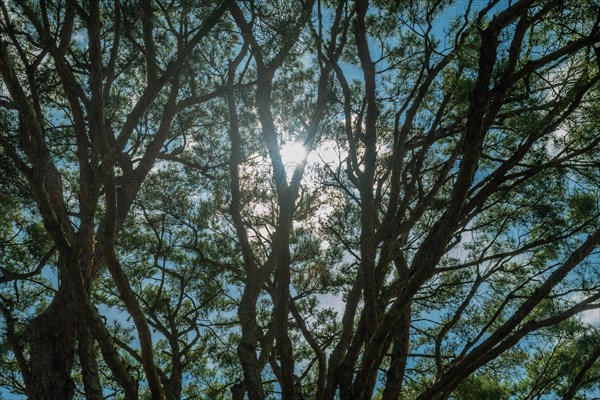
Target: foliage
x,y
269,199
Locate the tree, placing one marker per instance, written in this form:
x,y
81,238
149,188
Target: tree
x,y
71,76
446,198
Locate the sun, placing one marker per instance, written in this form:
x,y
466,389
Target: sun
x,y
292,154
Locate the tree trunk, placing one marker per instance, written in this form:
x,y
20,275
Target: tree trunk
x,y
89,363
52,338
399,357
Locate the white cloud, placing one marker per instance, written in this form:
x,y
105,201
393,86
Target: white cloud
x,y
333,301
556,141
590,317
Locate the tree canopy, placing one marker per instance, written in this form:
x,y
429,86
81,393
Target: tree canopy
x,y
300,199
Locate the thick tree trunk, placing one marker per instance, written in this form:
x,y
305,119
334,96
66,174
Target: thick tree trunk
x,y
89,364
51,338
399,357
247,347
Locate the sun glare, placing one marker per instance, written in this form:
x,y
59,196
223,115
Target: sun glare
x,y
292,154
